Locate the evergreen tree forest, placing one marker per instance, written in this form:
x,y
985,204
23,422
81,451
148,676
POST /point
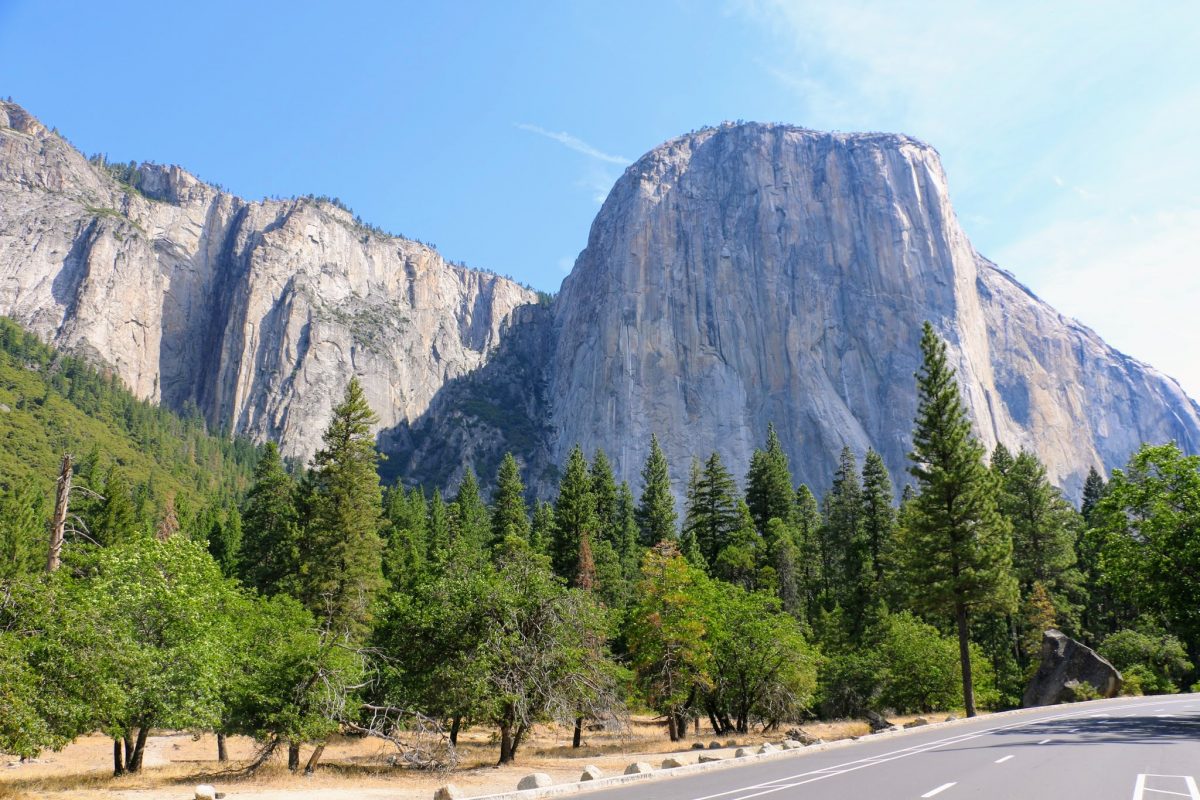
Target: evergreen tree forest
x,y
206,584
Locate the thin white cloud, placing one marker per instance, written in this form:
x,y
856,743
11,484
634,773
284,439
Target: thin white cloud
x,y
574,143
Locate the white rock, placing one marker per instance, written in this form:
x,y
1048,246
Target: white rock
x,y
591,773
671,763
536,780
205,792
638,768
448,792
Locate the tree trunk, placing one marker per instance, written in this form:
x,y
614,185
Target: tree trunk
x,y
58,522
139,748
506,746
671,726
222,753
577,737
311,766
293,756
455,724
517,737
128,739
716,723
118,758
964,655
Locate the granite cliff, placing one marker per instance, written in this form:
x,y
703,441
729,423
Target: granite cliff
x,y
256,313
734,277
766,273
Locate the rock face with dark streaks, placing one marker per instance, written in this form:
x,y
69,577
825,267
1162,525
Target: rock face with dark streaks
x,y
753,273
256,313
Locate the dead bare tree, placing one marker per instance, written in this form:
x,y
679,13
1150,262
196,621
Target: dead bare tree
x,y
58,522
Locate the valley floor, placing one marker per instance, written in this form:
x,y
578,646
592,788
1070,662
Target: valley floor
x,y
351,768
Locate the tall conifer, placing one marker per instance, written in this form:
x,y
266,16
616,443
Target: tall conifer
x,y
959,549
656,515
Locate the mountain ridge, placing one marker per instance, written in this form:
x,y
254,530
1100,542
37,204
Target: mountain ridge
x,y
735,276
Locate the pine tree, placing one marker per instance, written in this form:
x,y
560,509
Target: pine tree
x,y
439,528
407,516
574,515
23,541
470,522
628,549
341,550
879,517
510,516
1002,461
845,537
959,549
712,515
116,520
810,573
769,490
1093,492
604,490
270,536
656,510
1045,528
541,530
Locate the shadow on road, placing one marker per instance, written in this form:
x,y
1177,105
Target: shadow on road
x,y
1084,731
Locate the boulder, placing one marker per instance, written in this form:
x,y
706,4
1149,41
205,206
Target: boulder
x,y
767,747
671,763
591,773
791,744
877,722
916,723
1065,664
205,792
802,736
709,759
715,745
536,780
951,717
638,768
742,752
448,792
697,745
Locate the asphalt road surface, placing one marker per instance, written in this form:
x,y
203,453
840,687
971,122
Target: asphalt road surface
x,y
1144,748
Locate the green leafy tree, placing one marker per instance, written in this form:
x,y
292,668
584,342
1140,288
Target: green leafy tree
x,y
341,551
769,492
510,516
670,652
1150,520
845,537
811,577
763,669
541,530
115,520
439,527
1157,661
656,516
959,548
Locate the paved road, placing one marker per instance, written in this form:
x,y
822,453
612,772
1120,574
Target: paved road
x,y
1144,748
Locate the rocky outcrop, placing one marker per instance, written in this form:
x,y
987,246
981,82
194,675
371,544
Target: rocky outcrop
x,y
753,273
1065,665
256,313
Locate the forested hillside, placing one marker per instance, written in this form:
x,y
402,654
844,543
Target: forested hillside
x,y
130,452
320,601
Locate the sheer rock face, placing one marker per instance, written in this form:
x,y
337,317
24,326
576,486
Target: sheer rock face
x,y
765,273
257,313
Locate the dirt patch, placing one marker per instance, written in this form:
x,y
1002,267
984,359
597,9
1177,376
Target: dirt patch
x,y
355,768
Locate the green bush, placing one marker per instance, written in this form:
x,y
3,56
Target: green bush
x,y
1155,660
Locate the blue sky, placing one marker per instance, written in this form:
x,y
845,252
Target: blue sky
x,y
1069,130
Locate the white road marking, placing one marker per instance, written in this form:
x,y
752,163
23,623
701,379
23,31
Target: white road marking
x,y
1002,760
939,789
1043,741
776,785
1140,789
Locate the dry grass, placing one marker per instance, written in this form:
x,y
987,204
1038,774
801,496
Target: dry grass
x,y
352,768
